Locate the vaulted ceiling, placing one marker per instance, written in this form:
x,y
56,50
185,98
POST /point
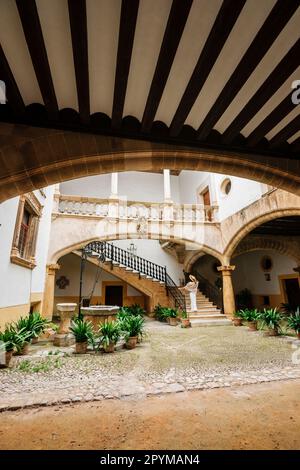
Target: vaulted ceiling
x,y
203,73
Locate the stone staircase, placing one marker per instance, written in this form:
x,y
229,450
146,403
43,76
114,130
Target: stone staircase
x,y
207,314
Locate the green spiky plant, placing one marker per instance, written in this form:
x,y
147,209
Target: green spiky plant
x,y
293,322
8,339
271,318
109,333
82,330
133,326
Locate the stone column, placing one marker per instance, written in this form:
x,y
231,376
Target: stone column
x,y
114,186
63,336
167,186
228,293
48,298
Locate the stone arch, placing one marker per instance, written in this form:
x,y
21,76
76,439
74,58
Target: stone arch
x,y
191,260
35,158
288,248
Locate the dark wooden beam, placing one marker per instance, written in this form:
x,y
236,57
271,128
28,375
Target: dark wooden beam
x,y
35,42
278,113
280,74
13,95
78,24
129,12
226,18
264,39
176,22
288,131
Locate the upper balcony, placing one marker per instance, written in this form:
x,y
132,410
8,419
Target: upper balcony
x,y
120,209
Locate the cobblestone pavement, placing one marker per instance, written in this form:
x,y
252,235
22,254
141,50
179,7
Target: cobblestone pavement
x,y
169,360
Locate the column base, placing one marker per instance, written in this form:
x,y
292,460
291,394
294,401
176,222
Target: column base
x,y
63,340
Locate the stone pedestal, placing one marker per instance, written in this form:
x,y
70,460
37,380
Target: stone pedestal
x,y
63,336
228,293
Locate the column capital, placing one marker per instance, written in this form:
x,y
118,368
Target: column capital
x,y
52,268
225,269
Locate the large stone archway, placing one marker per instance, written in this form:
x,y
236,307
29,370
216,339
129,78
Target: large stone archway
x,y
236,227
33,158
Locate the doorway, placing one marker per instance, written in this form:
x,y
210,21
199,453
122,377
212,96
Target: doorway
x,y
114,295
292,291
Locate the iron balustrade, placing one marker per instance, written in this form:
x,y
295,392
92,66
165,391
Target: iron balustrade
x,y
212,292
108,251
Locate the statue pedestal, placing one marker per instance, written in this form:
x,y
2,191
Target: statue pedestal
x,y
63,336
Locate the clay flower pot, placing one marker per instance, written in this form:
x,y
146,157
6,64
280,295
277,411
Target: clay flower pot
x,y
237,321
131,342
110,348
185,323
298,334
23,351
172,321
272,332
8,356
81,348
35,340
252,325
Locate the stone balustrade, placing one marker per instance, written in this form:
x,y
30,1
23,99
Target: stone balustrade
x,y
134,210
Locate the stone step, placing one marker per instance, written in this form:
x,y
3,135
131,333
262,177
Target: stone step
x,y
198,323
204,316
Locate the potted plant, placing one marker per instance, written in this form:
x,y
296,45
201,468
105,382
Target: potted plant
x,y
271,318
185,321
251,316
171,316
294,322
37,324
110,333
133,327
22,339
238,318
83,332
7,338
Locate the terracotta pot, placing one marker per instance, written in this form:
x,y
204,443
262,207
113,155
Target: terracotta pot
x,y
8,356
172,321
131,342
272,332
81,348
23,351
237,321
185,323
110,348
252,325
35,340
298,335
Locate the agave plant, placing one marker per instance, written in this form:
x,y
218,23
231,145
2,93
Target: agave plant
x,y
294,321
271,318
133,326
21,337
82,330
8,339
34,324
250,315
110,333
162,313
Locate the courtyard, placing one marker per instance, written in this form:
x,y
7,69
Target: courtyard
x,y
168,360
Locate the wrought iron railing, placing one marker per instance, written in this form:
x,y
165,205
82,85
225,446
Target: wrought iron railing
x,y
212,292
108,251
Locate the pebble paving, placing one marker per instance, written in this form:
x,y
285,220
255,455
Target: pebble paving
x,y
169,360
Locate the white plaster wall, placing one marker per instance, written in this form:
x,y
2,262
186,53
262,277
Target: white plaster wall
x,y
14,280
17,282
70,267
135,185
248,272
152,251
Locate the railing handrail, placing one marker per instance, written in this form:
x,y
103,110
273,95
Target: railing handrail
x,y
211,291
139,264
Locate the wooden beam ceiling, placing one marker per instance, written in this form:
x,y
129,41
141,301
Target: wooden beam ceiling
x,y
129,12
273,25
226,18
13,95
177,19
78,24
34,38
